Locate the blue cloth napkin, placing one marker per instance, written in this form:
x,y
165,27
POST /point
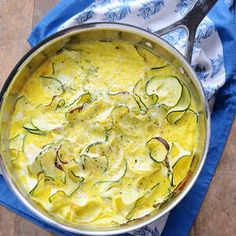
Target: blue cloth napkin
x,y
180,219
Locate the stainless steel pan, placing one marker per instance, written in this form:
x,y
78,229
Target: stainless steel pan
x,y
109,31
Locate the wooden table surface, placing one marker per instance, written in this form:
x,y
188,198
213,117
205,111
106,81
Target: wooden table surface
x,y
217,216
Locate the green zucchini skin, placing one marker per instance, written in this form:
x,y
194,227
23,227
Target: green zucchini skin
x,y
156,95
93,144
39,178
78,104
53,195
52,100
61,103
39,166
143,108
164,143
81,97
58,86
181,107
53,69
159,67
58,156
107,165
107,133
114,181
17,135
34,130
81,179
52,78
64,193
142,55
196,113
19,98
137,202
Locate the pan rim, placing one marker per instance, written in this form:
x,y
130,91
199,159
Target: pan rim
x,y
122,27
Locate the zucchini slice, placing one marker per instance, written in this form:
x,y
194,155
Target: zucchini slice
x,y
177,112
77,105
140,201
177,153
74,54
51,166
190,116
52,85
143,108
125,99
95,147
167,89
159,67
123,173
39,188
95,150
17,142
32,129
35,167
62,197
76,177
13,154
61,103
140,51
48,121
195,113
22,101
107,133
158,149
87,166
59,199
85,97
141,96
55,104
53,68
66,151
118,114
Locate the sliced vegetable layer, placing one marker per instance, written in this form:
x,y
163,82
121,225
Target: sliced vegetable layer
x,y
167,89
158,149
103,133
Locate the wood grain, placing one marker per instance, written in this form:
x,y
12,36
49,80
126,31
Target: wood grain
x,y
41,7
14,225
16,23
217,215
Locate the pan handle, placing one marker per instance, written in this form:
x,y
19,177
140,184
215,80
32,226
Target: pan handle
x,y
190,23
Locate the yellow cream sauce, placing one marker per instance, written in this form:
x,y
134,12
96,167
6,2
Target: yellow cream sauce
x,y
79,135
